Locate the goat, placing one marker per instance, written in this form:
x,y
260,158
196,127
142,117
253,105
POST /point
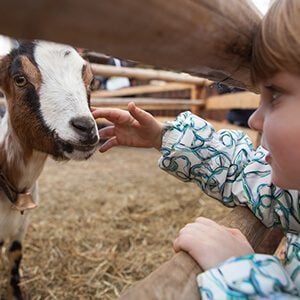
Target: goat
x,y
47,91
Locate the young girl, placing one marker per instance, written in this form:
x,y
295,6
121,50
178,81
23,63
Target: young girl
x,y
225,165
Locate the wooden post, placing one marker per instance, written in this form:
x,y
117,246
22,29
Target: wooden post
x,y
196,94
208,38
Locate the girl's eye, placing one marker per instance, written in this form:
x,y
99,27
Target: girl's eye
x,y
275,95
273,92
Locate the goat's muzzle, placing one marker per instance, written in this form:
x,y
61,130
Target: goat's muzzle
x,y
82,146
86,129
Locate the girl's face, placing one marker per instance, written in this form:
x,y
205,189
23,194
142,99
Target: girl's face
x,y
278,120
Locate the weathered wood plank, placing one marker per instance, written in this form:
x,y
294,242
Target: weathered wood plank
x,y
243,100
147,103
176,279
142,89
146,74
209,38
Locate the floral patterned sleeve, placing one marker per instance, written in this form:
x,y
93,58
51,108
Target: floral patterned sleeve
x,y
225,165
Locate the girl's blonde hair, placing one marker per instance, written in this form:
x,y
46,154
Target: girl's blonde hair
x,y
277,44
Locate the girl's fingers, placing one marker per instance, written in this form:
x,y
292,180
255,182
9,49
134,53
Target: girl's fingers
x,y
107,131
193,228
102,112
138,114
112,114
237,233
181,243
233,231
123,117
112,142
176,245
206,221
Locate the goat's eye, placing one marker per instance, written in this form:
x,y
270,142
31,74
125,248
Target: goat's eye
x,y
20,80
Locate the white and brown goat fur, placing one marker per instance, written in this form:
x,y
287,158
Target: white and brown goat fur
x,y
46,86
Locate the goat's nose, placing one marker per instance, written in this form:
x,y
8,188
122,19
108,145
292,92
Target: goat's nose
x,y
84,125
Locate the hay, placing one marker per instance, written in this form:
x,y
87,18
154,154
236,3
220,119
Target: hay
x,y
105,223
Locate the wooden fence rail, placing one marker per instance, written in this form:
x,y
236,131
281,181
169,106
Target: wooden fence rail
x,y
148,103
242,100
176,279
143,89
208,38
145,74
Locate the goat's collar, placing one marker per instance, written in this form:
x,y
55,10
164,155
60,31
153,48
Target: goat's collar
x,y
20,200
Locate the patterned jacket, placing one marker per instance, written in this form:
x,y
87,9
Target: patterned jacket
x,y
225,166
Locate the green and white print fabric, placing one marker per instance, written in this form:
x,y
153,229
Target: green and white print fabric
x,y
225,165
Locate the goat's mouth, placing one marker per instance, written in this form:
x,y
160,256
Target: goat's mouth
x,y
71,150
82,148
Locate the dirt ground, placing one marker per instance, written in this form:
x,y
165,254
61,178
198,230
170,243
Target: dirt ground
x,y
105,223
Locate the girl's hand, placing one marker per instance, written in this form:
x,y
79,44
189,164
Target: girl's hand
x,y
210,243
133,128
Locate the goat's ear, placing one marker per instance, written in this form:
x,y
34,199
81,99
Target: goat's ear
x,y
87,73
4,65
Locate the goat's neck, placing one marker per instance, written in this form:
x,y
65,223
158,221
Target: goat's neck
x,y
20,164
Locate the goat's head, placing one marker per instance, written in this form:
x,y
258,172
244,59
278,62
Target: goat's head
x,y
47,88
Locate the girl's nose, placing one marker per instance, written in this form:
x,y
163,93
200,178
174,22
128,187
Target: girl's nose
x,y
256,120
